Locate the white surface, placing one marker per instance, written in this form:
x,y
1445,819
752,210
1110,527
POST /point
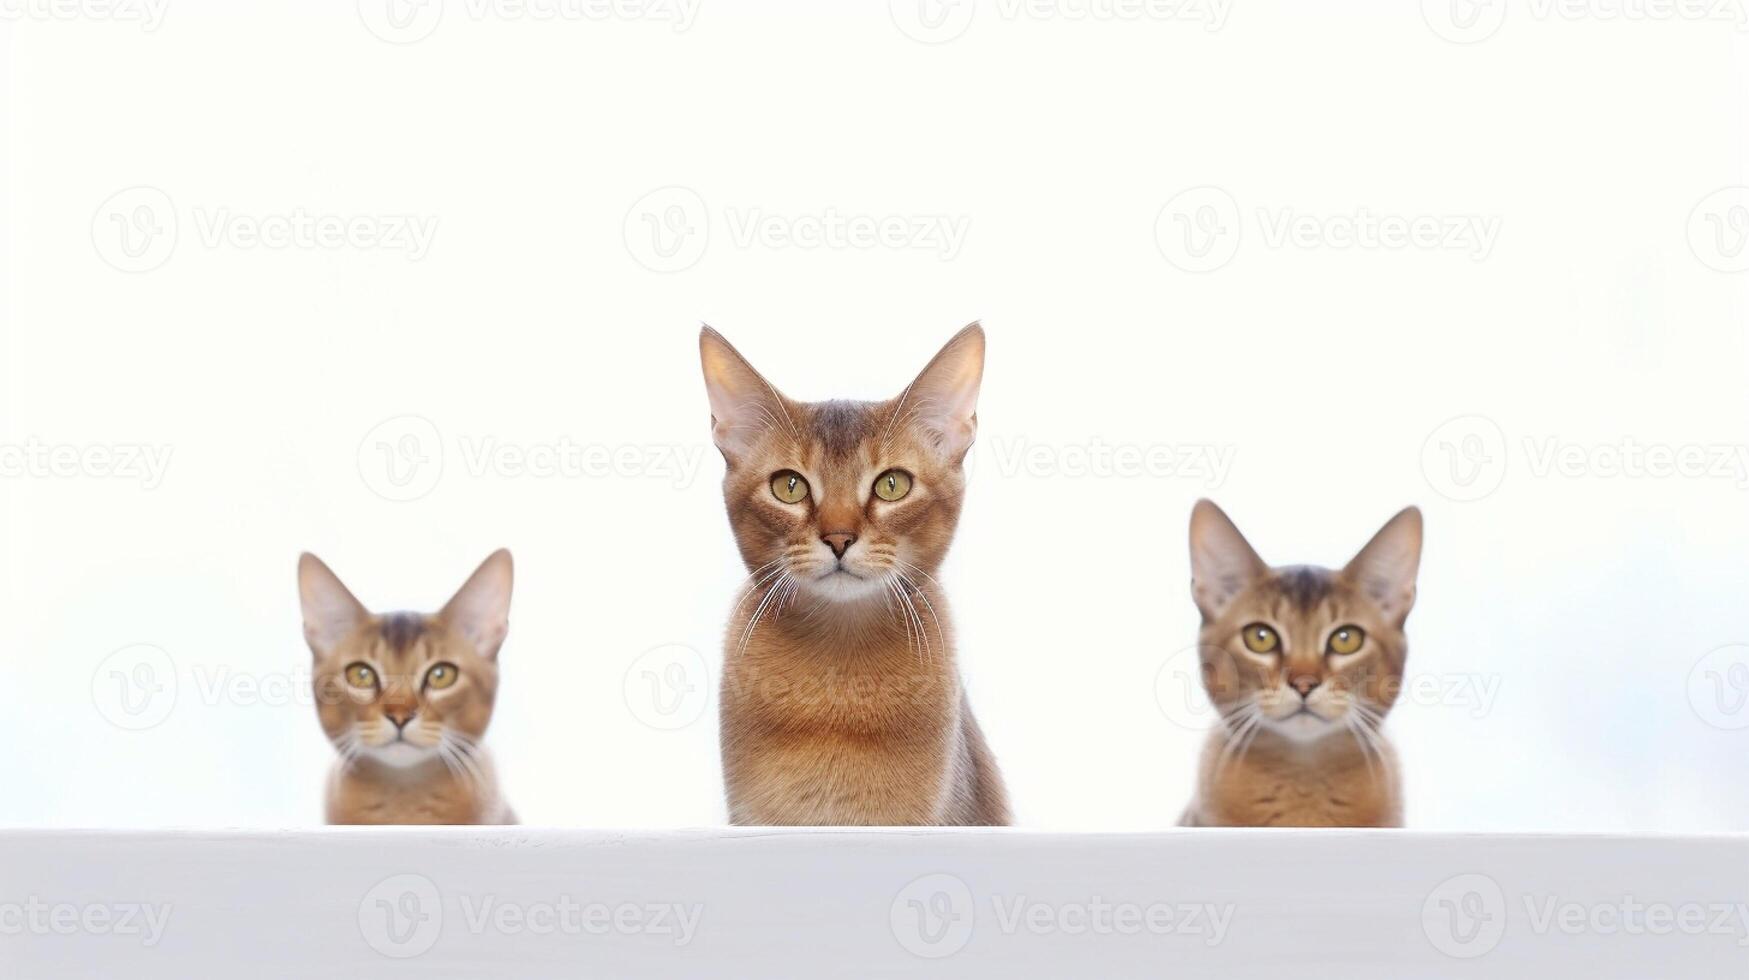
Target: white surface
x,y
813,905
1562,616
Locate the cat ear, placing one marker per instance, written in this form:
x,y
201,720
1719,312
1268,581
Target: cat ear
x,y
480,611
1385,569
1222,562
743,403
331,614
944,398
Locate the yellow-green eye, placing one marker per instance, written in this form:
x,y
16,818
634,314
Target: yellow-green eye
x,y
892,485
1261,639
441,676
789,487
1347,639
360,675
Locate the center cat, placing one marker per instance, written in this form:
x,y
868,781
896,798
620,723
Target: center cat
x,y
1303,665
841,702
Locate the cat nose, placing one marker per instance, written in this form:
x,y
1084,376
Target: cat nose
x,y
400,716
839,541
1305,684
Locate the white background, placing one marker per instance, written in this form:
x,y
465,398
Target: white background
x,y
1604,313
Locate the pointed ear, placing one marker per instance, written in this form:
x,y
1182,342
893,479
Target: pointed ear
x,y
743,403
1385,569
944,398
480,611
331,614
1222,562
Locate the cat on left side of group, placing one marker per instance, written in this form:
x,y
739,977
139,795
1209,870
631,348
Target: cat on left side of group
x,y
406,698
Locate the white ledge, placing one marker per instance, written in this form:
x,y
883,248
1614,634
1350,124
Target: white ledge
x,y
534,903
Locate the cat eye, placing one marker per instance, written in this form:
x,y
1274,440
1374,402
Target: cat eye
x,y
441,676
789,487
361,675
1347,639
892,485
1261,639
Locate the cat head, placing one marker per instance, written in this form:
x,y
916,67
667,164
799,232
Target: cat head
x,y
406,688
1307,651
844,500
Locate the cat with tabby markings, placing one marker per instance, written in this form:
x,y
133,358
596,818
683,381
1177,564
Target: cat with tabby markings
x,y
841,702
406,698
1303,664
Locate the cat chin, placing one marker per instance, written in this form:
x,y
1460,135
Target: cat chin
x,y
1304,729
841,587
400,755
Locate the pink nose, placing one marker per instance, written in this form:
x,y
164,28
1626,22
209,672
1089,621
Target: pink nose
x,y
1305,684
839,542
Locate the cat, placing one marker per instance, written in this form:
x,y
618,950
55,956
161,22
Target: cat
x,y
1302,664
841,703
406,698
